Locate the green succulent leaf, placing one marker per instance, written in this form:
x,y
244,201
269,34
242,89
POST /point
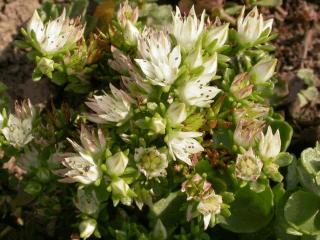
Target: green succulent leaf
x,y
302,212
250,211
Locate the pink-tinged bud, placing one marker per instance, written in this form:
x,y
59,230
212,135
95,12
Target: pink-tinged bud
x,y
196,187
241,87
127,14
254,111
247,132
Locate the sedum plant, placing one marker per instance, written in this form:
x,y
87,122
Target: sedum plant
x,y
176,137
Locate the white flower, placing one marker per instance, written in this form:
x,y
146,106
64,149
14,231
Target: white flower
x,y
187,30
116,164
110,108
210,206
209,65
55,35
151,162
87,228
159,63
270,145
182,145
217,34
248,166
176,113
18,131
252,26
80,168
196,92
263,70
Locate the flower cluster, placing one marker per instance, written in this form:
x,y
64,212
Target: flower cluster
x,y
178,121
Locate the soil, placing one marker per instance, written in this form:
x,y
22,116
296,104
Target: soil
x,y
15,69
298,46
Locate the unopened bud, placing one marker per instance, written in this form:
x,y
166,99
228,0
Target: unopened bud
x,y
45,65
241,87
263,70
87,228
131,33
158,124
116,164
176,113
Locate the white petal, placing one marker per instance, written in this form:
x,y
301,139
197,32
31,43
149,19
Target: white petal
x,y
175,57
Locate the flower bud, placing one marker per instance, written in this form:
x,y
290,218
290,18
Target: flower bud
x,y
151,162
177,113
121,192
45,65
25,110
131,33
248,166
196,187
219,34
120,187
247,132
93,142
87,228
116,164
270,145
209,64
87,201
263,70
158,124
241,87
272,171
253,111
127,14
